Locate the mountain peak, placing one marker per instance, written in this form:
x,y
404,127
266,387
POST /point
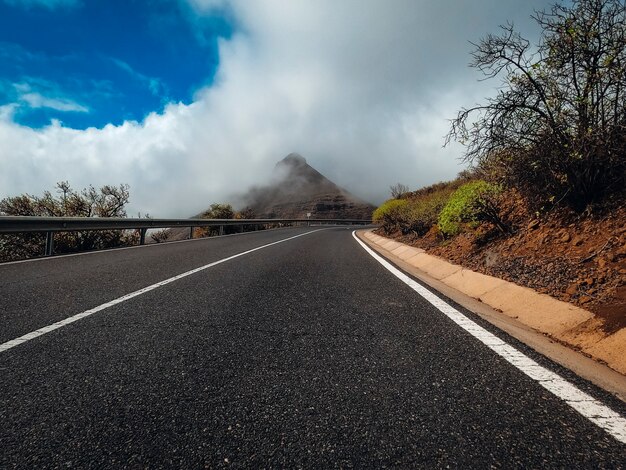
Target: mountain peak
x,y
293,160
299,189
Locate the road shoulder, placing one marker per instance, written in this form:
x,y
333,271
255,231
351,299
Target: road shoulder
x,y
566,335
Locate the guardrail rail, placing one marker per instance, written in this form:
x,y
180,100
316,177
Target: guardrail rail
x,y
51,225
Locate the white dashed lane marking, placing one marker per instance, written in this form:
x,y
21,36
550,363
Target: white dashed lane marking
x,y
54,326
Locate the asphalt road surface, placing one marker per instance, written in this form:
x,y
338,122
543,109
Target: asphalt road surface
x,y
303,353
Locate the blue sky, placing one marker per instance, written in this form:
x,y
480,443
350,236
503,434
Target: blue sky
x,y
94,62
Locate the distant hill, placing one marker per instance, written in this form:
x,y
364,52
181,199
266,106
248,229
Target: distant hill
x,y
298,189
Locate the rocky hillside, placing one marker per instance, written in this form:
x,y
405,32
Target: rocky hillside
x,y
298,189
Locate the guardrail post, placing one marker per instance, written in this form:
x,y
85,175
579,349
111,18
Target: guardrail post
x,y
49,243
142,236
221,230
190,233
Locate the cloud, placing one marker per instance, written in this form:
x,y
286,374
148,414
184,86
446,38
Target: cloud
x,y
207,6
363,89
7,112
155,85
50,4
36,100
26,96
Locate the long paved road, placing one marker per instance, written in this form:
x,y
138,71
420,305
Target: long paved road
x,y
303,353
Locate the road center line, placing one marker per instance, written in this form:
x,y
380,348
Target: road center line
x,y
47,329
592,409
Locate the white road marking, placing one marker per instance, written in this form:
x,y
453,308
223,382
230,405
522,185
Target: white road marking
x,y
135,247
595,411
47,329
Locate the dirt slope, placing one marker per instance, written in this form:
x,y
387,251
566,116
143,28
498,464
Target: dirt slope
x,y
574,258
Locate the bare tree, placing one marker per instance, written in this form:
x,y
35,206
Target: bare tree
x,y
557,125
398,190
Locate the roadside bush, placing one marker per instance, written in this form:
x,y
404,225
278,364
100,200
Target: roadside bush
x,y
472,203
423,212
216,211
417,211
108,201
219,211
391,214
161,236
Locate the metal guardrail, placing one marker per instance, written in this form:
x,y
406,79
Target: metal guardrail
x,y
50,225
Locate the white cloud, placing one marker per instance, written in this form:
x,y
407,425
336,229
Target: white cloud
x,y
362,89
36,100
7,112
33,99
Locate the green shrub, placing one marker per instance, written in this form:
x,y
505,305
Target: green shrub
x,y
424,211
391,214
416,212
472,203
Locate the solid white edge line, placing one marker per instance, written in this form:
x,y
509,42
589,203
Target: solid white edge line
x,y
47,329
595,411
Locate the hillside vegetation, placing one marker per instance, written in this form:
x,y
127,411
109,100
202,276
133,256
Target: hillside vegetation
x,y
543,202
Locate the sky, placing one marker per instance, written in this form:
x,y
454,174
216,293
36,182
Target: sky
x,y
191,102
